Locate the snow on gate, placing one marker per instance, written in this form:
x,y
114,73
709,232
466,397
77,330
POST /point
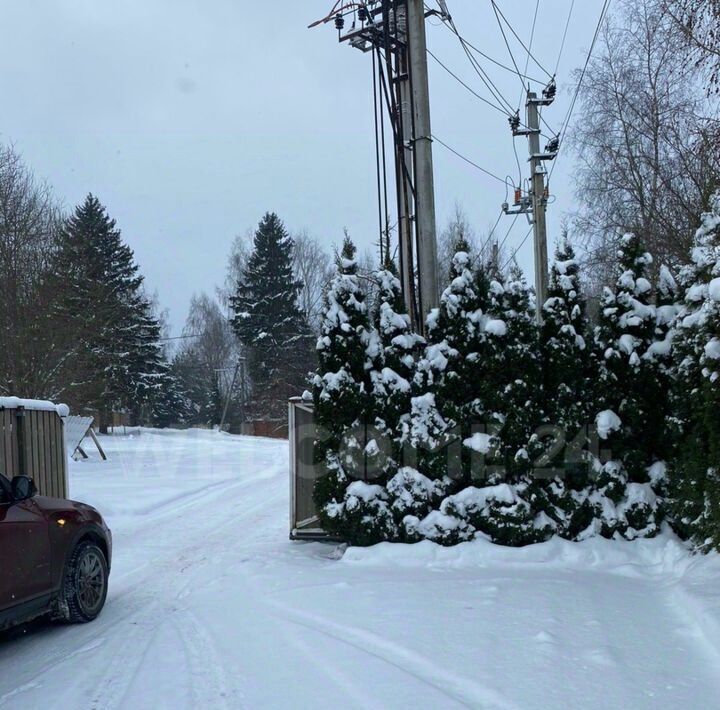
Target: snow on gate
x,y
32,443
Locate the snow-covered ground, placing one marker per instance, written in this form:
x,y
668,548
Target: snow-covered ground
x,y
211,606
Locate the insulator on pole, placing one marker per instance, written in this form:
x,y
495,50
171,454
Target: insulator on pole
x,y
550,90
339,22
514,121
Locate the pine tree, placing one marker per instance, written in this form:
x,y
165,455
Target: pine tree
x,y
695,468
116,362
350,504
630,424
268,321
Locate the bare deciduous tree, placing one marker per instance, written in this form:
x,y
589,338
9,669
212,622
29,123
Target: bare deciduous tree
x,y
642,139
481,245
29,222
313,268
205,362
699,21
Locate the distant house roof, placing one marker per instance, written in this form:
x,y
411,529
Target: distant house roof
x,y
39,405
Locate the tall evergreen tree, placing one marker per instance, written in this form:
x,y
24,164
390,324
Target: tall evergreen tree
x,y
568,384
116,362
630,423
564,346
393,354
442,412
269,322
350,504
695,469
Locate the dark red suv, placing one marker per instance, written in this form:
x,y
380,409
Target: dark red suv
x,y
54,556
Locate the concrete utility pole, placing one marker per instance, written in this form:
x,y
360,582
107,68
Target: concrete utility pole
x,y
422,145
404,162
535,202
395,31
539,202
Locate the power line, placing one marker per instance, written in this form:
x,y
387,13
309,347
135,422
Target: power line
x,y
470,89
471,46
492,231
562,44
498,14
566,121
507,44
532,37
470,162
519,247
507,234
484,76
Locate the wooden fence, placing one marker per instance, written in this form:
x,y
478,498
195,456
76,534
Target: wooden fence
x,y
32,444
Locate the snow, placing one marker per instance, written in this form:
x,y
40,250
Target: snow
x,y
211,605
496,327
38,405
607,422
712,349
714,289
479,442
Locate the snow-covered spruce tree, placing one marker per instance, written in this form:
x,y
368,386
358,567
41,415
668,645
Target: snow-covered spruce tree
x,y
393,351
116,361
268,321
695,466
508,505
447,374
630,421
447,422
567,389
351,506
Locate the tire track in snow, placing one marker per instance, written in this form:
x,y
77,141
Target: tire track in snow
x,y
161,568
461,689
209,686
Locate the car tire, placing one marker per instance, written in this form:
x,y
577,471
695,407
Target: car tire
x,y
86,583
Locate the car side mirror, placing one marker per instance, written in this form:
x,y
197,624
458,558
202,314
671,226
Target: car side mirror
x,y
22,488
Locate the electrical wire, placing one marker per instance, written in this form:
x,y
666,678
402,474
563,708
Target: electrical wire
x,y
484,76
527,58
469,88
492,231
519,247
568,115
498,15
471,46
507,234
562,44
470,162
378,168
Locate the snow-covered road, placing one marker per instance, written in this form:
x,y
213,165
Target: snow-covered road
x,y
212,606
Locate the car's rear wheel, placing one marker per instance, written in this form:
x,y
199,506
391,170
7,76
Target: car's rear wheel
x,y
86,582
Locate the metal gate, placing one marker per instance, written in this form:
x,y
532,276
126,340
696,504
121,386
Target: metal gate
x,y
304,522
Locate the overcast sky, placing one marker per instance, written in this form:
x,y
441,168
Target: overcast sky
x,y
191,118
